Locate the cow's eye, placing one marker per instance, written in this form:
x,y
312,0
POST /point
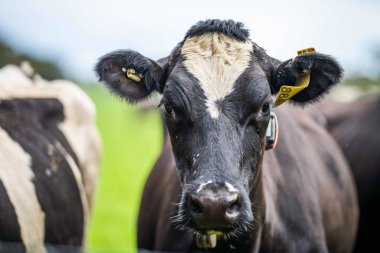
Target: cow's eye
x,y
169,111
265,108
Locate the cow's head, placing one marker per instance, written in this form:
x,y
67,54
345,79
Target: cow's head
x,y
217,88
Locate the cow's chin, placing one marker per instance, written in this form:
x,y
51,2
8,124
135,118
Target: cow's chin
x,y
208,237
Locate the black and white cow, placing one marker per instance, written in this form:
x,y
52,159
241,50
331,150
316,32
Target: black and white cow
x,y
217,88
49,159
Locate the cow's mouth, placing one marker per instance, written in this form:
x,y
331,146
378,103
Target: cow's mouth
x,y
207,239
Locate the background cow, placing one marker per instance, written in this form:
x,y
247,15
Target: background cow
x,y
217,87
355,126
49,159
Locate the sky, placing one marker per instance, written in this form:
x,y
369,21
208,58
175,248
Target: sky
x,y
74,34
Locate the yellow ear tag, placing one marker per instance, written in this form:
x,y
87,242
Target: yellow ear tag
x,y
306,50
132,74
286,92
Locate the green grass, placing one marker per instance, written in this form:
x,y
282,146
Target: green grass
x,y
362,83
131,144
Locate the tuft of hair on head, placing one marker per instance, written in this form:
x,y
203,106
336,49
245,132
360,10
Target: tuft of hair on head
x,y
229,27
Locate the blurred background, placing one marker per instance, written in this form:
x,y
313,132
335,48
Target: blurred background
x,y
63,39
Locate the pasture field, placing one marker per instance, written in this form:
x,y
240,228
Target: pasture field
x,y
131,142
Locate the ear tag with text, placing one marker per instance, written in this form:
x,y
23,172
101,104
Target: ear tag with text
x,y
286,92
132,74
272,132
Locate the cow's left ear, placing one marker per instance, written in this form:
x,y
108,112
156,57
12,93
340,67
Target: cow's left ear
x,y
318,72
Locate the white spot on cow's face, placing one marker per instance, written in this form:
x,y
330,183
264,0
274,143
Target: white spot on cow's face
x,y
231,188
194,160
203,185
17,177
249,214
217,61
50,150
48,172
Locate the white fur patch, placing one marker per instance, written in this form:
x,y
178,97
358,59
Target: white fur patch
x,y
16,175
203,185
230,187
217,61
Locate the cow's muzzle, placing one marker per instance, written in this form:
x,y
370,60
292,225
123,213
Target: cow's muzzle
x,y
215,207
216,210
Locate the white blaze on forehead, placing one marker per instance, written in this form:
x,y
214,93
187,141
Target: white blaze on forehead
x,y
16,175
230,187
217,61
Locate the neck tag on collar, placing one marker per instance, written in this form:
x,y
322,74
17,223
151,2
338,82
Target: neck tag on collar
x,y
286,92
272,132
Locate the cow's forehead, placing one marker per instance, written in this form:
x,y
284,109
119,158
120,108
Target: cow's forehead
x,y
216,60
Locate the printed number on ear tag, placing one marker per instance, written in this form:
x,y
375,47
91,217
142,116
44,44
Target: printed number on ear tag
x,y
286,92
272,132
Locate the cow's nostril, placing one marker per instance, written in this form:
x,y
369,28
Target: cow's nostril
x,y
234,206
194,205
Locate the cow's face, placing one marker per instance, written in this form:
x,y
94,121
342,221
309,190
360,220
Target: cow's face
x,y
216,88
217,105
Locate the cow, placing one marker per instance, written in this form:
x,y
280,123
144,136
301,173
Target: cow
x,y
49,158
354,126
212,188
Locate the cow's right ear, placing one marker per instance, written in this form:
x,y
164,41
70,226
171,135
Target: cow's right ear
x,y
131,75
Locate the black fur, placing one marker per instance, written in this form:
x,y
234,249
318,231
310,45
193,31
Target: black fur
x,y
9,228
228,27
